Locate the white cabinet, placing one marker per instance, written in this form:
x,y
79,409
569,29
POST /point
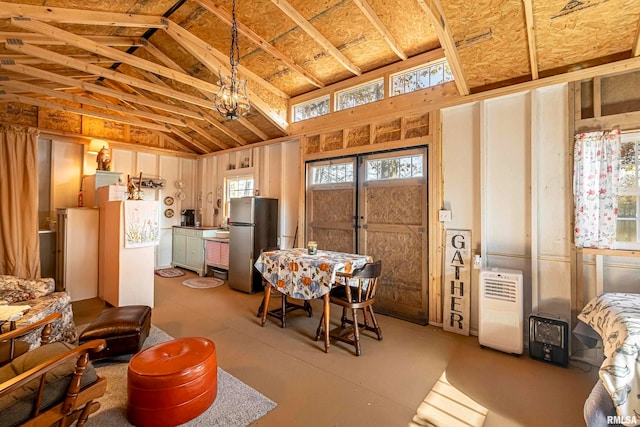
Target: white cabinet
x,y
188,247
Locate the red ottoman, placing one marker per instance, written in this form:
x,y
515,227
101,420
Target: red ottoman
x,y
171,383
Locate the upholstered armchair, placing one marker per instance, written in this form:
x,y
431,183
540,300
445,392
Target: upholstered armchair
x,y
40,296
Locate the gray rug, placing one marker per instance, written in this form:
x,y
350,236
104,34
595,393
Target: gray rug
x,y
237,404
203,282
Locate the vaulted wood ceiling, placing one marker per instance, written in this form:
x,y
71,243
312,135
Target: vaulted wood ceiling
x,y
152,65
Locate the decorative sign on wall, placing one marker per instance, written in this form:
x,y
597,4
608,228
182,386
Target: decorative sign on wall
x,y
141,223
456,283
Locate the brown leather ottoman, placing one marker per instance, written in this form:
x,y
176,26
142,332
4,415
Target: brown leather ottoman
x,y
123,328
171,383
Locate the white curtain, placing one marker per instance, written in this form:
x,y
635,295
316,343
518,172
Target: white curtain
x,y
19,242
595,188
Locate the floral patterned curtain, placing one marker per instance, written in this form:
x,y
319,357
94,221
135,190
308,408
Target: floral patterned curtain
x,y
595,188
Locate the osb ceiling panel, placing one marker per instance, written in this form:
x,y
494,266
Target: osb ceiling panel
x,y
572,32
490,38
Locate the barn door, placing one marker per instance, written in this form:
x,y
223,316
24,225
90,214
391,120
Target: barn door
x,y
392,209
376,205
331,204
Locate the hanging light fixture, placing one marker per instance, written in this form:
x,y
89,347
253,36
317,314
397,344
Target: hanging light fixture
x,y
231,100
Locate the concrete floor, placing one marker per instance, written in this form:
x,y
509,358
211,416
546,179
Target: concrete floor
x,y
383,387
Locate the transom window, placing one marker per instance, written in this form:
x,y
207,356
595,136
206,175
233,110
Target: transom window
x,y
421,78
332,174
360,95
395,168
314,108
627,229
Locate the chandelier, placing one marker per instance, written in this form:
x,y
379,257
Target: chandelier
x,y
231,100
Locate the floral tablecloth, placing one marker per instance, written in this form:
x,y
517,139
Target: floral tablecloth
x,y
296,273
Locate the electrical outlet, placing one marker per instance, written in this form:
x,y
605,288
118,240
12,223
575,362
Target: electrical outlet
x,y
444,215
477,262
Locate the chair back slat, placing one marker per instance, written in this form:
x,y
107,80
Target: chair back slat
x,y
367,274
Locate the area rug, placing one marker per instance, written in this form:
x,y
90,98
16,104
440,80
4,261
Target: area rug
x,y
203,282
170,272
237,404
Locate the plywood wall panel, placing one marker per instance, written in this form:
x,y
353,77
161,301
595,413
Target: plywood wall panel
x,y
333,206
104,129
19,114
395,205
333,141
60,120
359,136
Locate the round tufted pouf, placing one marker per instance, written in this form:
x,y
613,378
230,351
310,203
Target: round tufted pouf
x,y
171,383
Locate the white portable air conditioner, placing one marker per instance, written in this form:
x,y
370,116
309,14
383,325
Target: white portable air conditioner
x,y
501,310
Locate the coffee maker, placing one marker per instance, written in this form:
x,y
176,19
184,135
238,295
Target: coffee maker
x,y
188,218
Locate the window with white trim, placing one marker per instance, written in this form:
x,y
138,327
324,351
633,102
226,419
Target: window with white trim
x,y
360,95
236,186
310,109
628,222
334,173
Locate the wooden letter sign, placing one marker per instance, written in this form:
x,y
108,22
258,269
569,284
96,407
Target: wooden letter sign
x,y
456,283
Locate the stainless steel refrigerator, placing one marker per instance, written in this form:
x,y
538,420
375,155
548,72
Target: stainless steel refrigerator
x,y
254,227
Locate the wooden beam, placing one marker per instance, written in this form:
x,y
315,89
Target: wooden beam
x,y
531,38
80,16
262,43
94,103
39,39
103,72
219,59
99,115
90,87
246,123
203,52
434,10
635,50
109,52
29,60
373,18
158,54
316,35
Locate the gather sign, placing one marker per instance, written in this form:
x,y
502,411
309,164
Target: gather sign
x,y
457,281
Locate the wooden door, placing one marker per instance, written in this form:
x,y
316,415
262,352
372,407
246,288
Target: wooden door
x,y
331,204
376,205
393,225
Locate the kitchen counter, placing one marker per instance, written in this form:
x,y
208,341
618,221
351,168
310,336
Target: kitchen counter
x,y
217,239
192,227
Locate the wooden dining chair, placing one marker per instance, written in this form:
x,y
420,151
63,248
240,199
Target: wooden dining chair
x,y
353,297
286,306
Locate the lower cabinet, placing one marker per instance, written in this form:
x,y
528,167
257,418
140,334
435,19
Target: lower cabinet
x,y
217,253
188,248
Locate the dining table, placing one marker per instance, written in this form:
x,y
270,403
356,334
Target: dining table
x,y
301,275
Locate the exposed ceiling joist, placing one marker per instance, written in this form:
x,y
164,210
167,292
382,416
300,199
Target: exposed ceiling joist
x,y
202,51
103,72
28,60
635,51
531,38
82,111
253,128
262,43
434,10
90,87
27,87
177,143
79,16
109,52
319,38
39,39
372,16
158,54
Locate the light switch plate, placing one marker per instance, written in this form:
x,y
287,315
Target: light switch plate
x,y
444,215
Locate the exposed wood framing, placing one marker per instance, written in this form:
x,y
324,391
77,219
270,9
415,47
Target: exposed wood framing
x,y
597,96
28,60
109,52
90,87
371,15
306,26
202,51
104,116
622,121
635,51
434,10
262,43
106,73
27,87
39,39
79,16
436,229
531,38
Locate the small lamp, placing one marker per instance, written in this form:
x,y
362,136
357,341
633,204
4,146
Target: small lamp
x,y
95,145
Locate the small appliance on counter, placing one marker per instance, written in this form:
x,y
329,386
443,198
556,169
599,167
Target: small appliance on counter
x,y
188,218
